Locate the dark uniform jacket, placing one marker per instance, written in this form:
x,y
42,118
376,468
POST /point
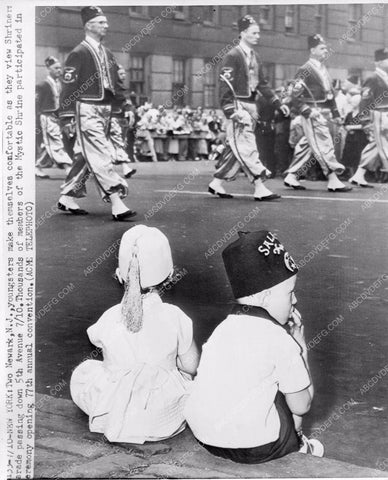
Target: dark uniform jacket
x,y
46,100
374,96
119,102
83,78
309,91
235,69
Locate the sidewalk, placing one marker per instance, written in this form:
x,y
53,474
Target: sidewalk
x,y
66,449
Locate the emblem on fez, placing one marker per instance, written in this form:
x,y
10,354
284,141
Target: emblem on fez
x,y
290,263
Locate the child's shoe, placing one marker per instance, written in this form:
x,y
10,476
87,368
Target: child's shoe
x,y
312,446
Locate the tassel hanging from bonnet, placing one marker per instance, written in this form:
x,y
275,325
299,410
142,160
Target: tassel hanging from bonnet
x,y
132,303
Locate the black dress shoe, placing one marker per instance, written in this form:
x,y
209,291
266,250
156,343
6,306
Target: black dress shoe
x,y
74,211
121,217
129,174
340,189
221,195
362,185
268,198
295,187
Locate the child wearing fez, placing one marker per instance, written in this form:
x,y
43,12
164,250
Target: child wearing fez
x,y
253,383
137,393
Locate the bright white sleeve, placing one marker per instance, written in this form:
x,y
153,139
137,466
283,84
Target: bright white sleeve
x,y
96,332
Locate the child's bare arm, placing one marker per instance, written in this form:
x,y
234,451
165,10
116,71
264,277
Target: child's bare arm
x,y
299,402
189,361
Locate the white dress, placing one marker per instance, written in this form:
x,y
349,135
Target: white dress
x,y
136,393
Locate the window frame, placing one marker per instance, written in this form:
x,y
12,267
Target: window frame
x,y
212,84
132,81
295,19
143,13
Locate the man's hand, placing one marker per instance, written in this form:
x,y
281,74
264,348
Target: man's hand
x,y
338,121
68,128
315,113
285,110
238,118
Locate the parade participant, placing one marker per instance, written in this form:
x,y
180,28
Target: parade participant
x,y
253,383
265,133
313,98
137,393
47,106
242,77
119,125
356,138
90,82
374,115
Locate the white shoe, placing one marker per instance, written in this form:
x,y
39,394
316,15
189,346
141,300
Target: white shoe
x,y
358,177
261,190
69,202
312,446
216,185
334,183
291,180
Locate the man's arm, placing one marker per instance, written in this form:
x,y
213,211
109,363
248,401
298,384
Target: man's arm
x,y
367,102
70,87
39,94
299,92
267,92
227,101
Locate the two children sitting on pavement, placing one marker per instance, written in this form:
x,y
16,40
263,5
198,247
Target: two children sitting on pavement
x,y
252,385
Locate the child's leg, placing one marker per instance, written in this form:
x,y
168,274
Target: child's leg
x,y
298,420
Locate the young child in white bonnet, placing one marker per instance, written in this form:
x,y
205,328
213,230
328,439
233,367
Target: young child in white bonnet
x,y
137,393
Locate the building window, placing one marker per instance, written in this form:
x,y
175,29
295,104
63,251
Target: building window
x,y
290,19
266,16
320,19
355,30
141,11
137,76
178,82
181,13
269,72
210,15
209,86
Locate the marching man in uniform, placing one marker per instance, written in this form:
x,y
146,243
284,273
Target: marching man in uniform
x,y
47,105
119,125
313,98
374,113
241,78
90,85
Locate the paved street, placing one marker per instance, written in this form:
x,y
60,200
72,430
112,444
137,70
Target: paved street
x,y
342,289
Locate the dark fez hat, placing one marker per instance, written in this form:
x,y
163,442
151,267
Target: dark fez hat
x,y
245,22
255,262
50,61
88,13
381,54
314,40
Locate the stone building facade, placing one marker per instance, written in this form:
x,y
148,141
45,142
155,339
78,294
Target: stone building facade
x,y
172,53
